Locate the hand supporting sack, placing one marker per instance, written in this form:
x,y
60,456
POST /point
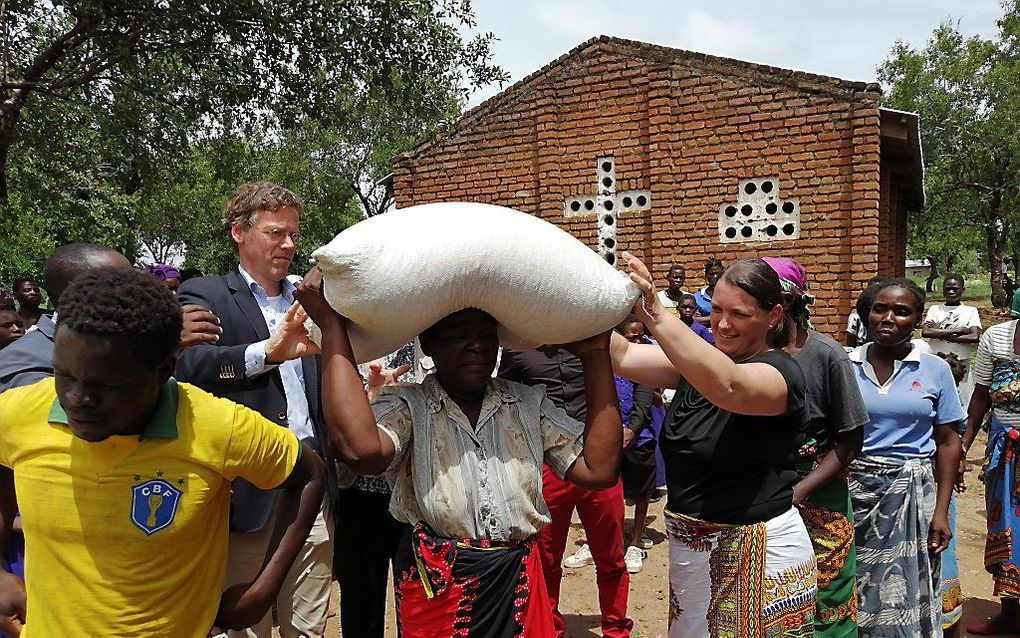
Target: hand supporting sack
x,y
394,275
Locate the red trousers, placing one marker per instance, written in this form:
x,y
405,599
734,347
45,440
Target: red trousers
x,y
601,514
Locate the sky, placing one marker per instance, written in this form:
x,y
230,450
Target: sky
x,y
847,39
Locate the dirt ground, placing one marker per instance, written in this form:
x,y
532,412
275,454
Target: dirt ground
x,y
648,589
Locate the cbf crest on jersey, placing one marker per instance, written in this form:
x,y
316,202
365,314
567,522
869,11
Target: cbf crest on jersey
x,y
154,505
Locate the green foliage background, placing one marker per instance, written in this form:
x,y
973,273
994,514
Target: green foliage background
x,y
967,93
128,122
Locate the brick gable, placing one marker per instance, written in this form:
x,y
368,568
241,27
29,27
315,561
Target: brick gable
x,y
686,127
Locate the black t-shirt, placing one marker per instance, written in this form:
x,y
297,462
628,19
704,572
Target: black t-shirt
x,y
834,404
732,468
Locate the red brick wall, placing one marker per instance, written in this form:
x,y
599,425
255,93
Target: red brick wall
x,y
892,252
686,132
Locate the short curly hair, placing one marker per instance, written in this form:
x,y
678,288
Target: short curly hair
x,y
248,200
878,284
125,305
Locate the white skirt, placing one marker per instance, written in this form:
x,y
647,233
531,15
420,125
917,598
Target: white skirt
x,y
740,580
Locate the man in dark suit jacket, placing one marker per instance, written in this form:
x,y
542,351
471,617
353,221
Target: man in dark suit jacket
x,y
263,359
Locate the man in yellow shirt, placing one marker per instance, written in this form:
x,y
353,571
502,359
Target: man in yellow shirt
x,y
123,478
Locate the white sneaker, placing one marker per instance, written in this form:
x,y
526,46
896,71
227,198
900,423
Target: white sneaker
x,y
634,558
580,558
646,542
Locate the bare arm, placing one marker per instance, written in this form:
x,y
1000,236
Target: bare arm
x,y
598,466
755,389
352,431
642,363
833,464
947,461
973,335
12,588
245,603
954,335
980,404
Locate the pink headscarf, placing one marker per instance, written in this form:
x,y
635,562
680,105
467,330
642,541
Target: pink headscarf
x,y
791,277
789,270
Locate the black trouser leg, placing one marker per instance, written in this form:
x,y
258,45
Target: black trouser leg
x,y
366,538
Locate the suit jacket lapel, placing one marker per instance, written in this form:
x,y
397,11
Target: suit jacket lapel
x,y
245,300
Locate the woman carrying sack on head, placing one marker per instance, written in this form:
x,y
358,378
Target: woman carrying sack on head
x,y
463,453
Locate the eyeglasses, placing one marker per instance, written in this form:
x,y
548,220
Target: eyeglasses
x,y
276,236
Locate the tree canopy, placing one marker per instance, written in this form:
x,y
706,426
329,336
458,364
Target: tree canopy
x,y
127,123
965,90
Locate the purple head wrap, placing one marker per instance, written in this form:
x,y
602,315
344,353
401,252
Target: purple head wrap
x,y
788,270
163,271
791,277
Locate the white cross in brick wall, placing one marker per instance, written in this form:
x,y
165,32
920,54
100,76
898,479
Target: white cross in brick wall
x,y
606,204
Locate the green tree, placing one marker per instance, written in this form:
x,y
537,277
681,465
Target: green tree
x,y
179,66
965,90
127,123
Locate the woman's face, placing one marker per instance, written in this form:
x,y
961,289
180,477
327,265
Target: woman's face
x,y
739,323
464,346
893,317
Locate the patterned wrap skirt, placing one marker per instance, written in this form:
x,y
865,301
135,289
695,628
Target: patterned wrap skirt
x,y
447,588
829,518
897,577
1002,503
753,581
949,583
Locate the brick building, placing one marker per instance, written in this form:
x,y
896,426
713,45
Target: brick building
x,y
680,156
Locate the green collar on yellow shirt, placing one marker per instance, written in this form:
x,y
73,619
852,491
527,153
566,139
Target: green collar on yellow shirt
x,y
164,420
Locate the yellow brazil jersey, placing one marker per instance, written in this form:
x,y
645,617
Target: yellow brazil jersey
x,y
128,537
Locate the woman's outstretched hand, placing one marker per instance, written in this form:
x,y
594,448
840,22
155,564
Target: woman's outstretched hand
x,y
647,308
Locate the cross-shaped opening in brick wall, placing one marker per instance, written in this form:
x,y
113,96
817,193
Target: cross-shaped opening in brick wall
x,y
606,204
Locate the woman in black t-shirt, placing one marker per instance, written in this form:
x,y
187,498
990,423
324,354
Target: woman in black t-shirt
x,y
741,562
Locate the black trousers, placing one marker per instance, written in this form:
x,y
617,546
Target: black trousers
x,y
365,541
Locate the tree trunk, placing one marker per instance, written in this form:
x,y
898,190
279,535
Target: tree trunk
x,y
996,244
933,274
8,119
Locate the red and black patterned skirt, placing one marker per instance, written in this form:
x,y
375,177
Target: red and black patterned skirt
x,y
466,588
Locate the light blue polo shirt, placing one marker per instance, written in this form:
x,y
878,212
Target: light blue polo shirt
x,y
920,394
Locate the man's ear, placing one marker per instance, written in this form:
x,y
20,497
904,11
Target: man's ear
x,y
237,232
